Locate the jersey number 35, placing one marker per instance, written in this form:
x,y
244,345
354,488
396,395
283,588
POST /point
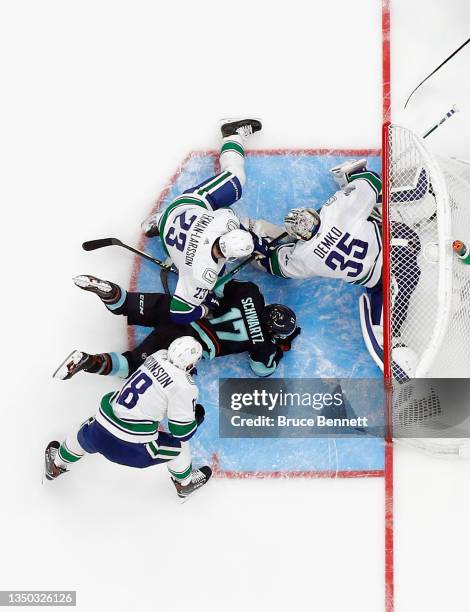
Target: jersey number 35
x,y
336,258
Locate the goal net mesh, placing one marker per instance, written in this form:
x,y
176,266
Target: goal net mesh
x,y
427,203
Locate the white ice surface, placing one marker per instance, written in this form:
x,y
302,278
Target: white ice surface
x,y
432,499
100,102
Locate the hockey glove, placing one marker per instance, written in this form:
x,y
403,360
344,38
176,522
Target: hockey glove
x,y
211,301
261,245
199,414
285,344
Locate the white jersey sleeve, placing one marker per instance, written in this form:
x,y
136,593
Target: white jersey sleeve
x,y
348,245
181,407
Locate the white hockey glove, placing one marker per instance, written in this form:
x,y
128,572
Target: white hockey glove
x,y
302,223
343,171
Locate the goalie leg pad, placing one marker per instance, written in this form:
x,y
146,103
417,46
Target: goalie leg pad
x,y
372,334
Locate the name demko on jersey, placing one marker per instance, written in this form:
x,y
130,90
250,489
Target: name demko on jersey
x,y
348,245
158,389
189,228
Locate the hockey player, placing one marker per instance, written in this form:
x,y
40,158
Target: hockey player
x,y
241,322
343,241
199,233
125,430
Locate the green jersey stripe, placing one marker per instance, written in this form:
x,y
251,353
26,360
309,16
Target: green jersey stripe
x,y
177,305
274,264
370,177
136,428
214,183
168,453
180,430
181,201
154,449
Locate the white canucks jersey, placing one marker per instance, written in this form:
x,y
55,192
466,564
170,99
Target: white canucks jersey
x,y
347,246
158,389
189,228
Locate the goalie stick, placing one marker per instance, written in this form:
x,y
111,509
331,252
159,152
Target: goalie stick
x,y
435,70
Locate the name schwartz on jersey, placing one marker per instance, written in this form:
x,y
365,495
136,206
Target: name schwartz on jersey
x,y
251,316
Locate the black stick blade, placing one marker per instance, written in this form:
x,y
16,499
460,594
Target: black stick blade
x,y
92,245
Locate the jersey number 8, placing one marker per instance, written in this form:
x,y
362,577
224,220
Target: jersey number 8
x,y
138,385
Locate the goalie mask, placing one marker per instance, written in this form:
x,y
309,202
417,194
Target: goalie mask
x,y
302,223
278,320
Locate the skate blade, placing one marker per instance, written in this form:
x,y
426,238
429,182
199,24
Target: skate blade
x,y
183,500
62,372
91,283
225,120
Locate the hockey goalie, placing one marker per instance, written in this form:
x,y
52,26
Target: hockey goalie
x,y
343,241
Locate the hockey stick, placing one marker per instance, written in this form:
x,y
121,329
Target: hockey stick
x,y
164,272
92,245
435,70
432,129
249,259
448,115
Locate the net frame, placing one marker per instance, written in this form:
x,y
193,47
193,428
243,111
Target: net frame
x,y
448,447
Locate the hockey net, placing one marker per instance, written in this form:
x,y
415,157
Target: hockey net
x,y
426,206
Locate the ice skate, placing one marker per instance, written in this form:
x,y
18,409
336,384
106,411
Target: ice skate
x,y
73,363
150,225
242,127
51,470
103,288
199,478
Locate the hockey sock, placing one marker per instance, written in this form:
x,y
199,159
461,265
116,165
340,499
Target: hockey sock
x,y
108,364
100,364
232,157
116,300
69,452
181,467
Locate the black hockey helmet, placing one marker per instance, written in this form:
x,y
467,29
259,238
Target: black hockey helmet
x,y
278,320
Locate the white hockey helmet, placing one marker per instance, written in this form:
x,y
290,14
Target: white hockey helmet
x,y
184,352
236,243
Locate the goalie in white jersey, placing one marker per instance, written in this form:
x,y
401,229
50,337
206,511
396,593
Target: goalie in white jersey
x,y
126,430
199,233
343,241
